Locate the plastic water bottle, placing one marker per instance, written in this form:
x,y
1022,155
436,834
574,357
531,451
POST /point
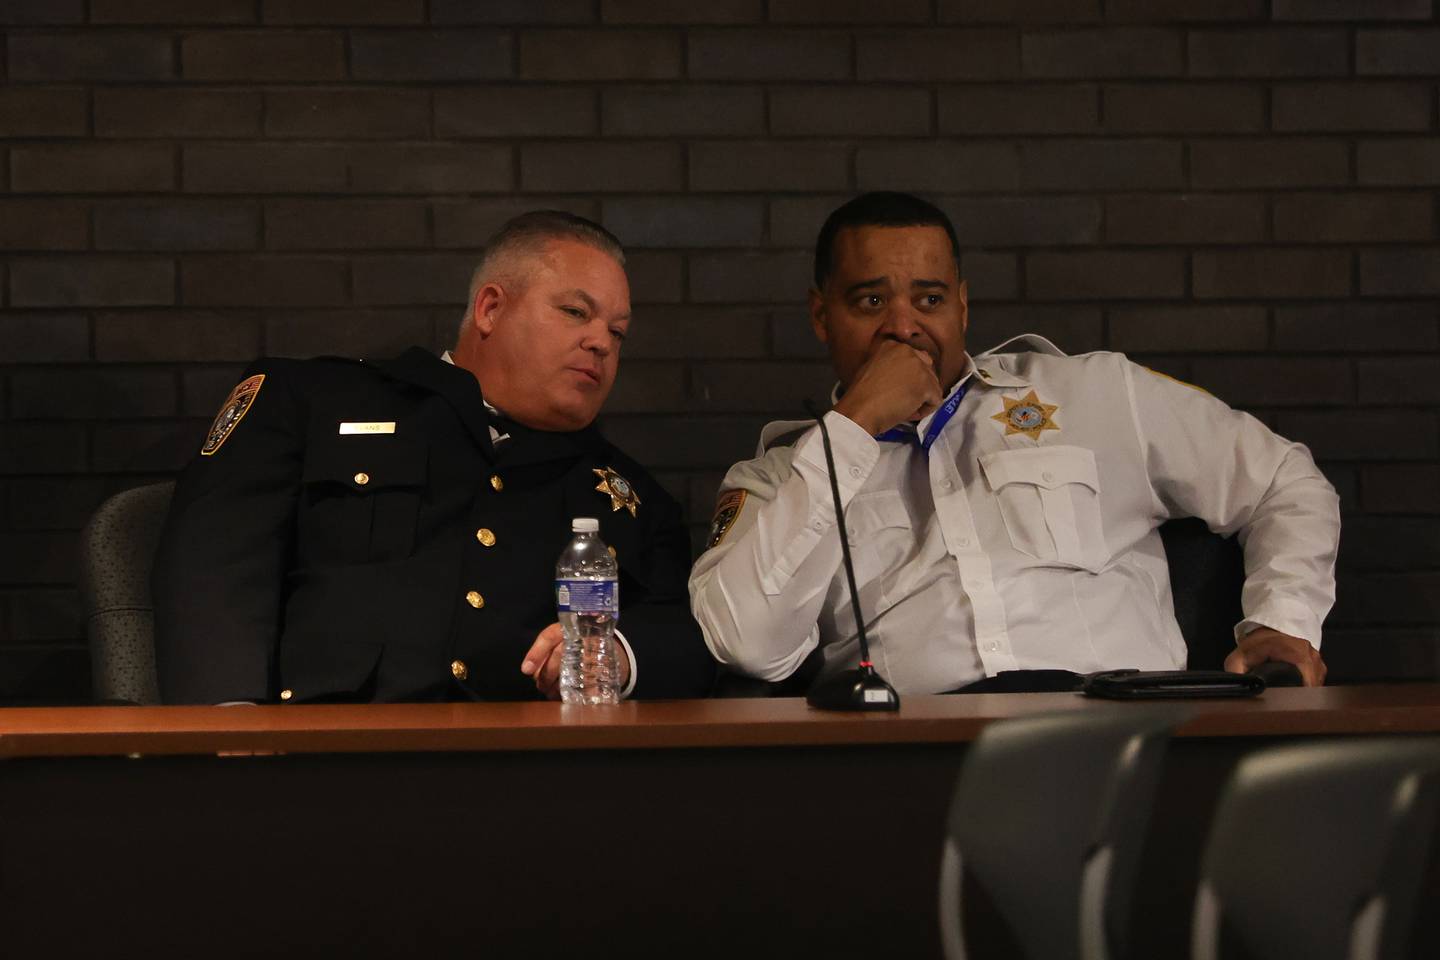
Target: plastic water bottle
x,y
587,597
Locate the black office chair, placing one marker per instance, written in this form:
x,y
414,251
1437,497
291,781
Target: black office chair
x,y
1319,851
1048,819
117,551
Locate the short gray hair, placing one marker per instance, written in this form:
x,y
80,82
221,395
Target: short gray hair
x,y
526,235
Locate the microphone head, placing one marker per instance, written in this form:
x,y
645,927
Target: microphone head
x,y
858,689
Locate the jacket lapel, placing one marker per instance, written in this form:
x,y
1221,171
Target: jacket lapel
x,y
459,388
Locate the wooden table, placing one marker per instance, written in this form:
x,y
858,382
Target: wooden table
x,y
729,828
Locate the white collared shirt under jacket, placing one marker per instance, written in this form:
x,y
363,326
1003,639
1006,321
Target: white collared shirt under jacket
x,y
1006,549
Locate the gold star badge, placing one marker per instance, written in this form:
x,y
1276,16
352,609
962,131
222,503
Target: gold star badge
x,y
1028,416
619,489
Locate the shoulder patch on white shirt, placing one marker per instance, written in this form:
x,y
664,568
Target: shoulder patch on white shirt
x,y
726,510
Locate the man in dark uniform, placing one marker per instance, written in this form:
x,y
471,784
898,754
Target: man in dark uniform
x,y
388,531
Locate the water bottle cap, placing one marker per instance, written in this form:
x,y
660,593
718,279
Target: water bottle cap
x,y
584,525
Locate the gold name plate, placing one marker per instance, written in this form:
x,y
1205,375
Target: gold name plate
x,y
387,426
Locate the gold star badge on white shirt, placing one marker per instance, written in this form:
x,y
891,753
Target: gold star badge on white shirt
x,y
1028,415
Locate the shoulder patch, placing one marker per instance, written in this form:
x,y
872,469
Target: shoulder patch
x,y
1166,376
232,411
726,510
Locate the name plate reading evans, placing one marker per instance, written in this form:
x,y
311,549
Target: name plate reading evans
x,y
378,426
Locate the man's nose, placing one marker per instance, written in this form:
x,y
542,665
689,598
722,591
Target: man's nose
x,y
901,322
597,339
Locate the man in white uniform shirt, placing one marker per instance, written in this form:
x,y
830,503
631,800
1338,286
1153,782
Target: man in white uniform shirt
x,y
1002,509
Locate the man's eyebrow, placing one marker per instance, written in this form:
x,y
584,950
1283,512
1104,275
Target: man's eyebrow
x,y
855,288
930,284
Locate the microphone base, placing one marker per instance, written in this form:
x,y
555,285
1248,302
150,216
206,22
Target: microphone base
x,y
858,689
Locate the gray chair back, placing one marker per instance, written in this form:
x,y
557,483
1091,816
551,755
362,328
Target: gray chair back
x,y
1049,817
1319,851
117,551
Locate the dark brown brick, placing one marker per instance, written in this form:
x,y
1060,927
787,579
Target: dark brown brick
x,y
412,279
1348,106
272,55
263,168
55,503
979,53
431,168
1184,108
75,57
147,447
1363,434
170,336
990,276
92,168
768,54
683,111
263,282
1401,488
42,112
1390,543
1298,274
1019,11
44,337
1358,327
1276,381
1283,163
40,448
172,11
334,12
792,336
43,225
1185,218
1179,11
1031,108
347,333
160,112
840,111
795,221
1400,380
669,444
1072,328
1399,598
847,12
940,166
29,12
179,225
655,277
516,112
527,12
91,281
686,221
33,558
1152,329
1104,275
1269,52
781,277
357,113
471,223
1351,9
1412,51
605,55
345,224
1399,162
602,167
1354,217
1101,165
1111,52
432,55
663,11
647,387
1024,221
204,389
97,393
680,333
1406,272
760,387
769,165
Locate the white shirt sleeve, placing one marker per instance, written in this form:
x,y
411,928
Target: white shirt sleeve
x,y
1207,460
758,593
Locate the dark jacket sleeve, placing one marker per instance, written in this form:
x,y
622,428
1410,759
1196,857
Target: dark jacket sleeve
x,y
671,658
220,568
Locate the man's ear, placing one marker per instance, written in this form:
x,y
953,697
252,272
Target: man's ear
x,y
485,308
962,295
817,316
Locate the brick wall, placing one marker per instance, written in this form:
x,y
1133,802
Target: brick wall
x,y
1239,192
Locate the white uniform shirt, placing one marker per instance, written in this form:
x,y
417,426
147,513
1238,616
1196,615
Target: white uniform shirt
x,y
1008,547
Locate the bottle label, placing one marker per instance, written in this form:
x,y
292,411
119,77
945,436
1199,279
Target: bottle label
x,y
587,596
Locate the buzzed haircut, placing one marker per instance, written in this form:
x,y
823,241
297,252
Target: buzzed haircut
x,y
879,209
527,234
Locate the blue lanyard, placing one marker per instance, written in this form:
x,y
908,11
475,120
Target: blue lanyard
x,y
937,422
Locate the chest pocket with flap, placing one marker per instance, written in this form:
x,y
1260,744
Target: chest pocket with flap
x,y
362,497
1050,501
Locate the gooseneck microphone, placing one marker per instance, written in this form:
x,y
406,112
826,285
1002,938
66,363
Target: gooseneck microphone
x,y
861,688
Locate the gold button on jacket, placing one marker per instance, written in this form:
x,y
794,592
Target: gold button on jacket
x,y
458,668
474,599
362,478
485,536
497,483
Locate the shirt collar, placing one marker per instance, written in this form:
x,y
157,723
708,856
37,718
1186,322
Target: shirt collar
x,y
489,407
